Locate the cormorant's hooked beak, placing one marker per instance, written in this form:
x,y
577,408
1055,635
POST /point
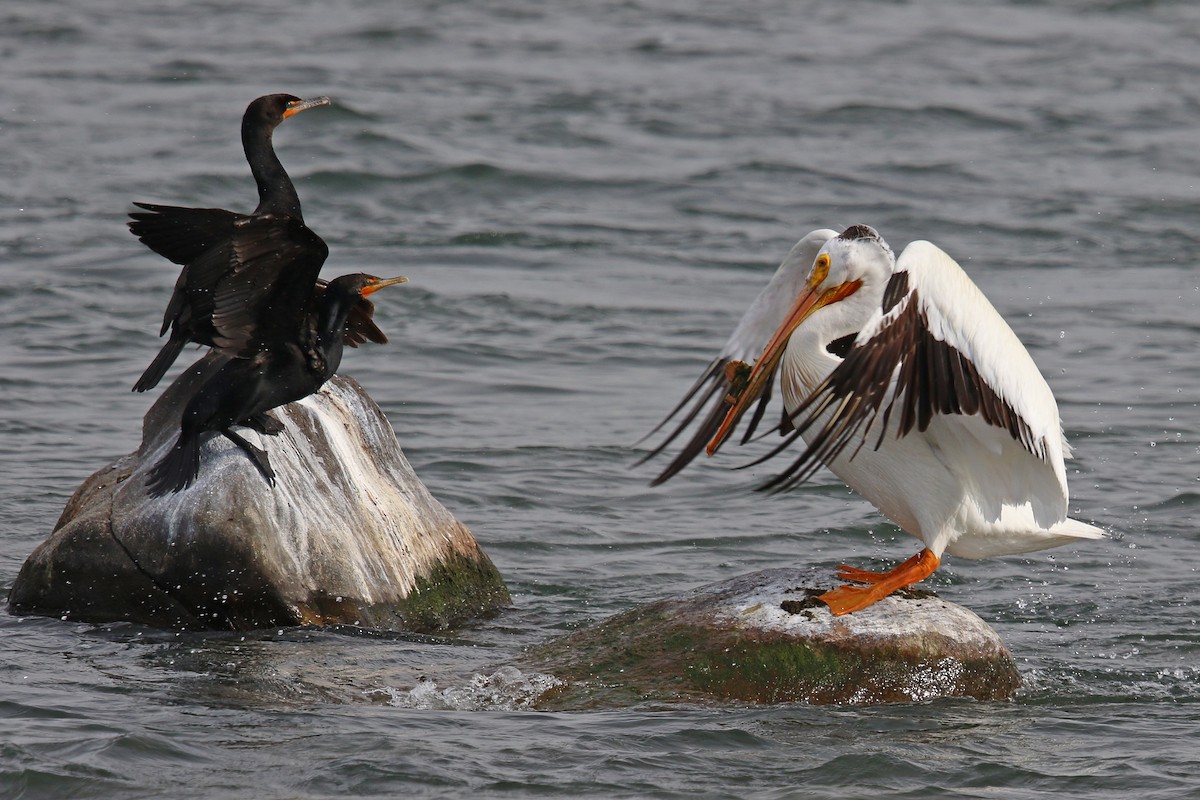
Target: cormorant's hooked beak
x,y
809,301
303,105
375,284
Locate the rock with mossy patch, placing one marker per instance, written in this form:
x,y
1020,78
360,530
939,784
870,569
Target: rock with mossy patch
x,y
348,534
765,638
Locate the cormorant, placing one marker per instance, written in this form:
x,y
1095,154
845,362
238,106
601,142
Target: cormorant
x,y
283,339
213,244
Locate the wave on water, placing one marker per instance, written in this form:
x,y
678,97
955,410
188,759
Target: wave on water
x,y
1115,683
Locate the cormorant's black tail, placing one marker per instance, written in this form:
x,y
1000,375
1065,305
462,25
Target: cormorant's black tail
x,y
178,468
161,363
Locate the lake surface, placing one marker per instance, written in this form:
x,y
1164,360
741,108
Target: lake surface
x,y
586,196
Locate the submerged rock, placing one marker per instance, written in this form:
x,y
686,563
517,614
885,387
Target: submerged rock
x,y
348,535
765,638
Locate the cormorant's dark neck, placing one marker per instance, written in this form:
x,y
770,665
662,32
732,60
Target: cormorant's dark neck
x,y
335,310
276,194
336,306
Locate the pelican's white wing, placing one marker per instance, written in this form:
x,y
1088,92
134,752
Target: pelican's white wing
x,y
937,360
747,341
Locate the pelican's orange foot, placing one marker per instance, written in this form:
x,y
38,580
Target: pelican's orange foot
x,y
848,573
848,599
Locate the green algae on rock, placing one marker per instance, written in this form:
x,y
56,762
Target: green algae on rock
x,y
763,638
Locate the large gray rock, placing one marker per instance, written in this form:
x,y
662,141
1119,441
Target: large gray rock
x,y
765,638
349,534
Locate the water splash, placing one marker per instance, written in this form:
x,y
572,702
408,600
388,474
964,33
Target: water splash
x,y
506,689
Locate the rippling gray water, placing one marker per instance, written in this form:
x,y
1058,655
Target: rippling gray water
x,y
585,197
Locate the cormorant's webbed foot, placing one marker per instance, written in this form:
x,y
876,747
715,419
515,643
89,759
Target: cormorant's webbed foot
x,y
264,423
257,455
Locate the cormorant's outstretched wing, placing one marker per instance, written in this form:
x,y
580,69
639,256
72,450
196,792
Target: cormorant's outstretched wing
x,y
707,396
202,240
263,293
182,234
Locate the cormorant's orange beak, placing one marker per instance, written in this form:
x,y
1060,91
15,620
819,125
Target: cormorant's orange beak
x,y
375,284
806,304
304,105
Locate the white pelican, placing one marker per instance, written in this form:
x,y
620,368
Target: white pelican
x,y
936,413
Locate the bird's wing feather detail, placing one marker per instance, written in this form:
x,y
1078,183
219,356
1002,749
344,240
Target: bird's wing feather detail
x,y
939,359
182,234
264,295
202,239
198,238
747,341
718,386
708,426
711,374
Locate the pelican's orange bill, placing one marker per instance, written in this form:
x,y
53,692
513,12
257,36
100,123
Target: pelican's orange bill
x,y
809,301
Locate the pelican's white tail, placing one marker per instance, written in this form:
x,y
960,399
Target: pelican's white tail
x,y
1077,530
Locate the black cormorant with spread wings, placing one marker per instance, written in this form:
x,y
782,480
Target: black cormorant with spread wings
x,y
212,243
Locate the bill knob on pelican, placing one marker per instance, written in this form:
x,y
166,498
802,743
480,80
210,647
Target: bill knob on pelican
x,y
901,378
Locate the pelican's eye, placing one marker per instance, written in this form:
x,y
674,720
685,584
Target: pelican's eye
x,y
820,271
